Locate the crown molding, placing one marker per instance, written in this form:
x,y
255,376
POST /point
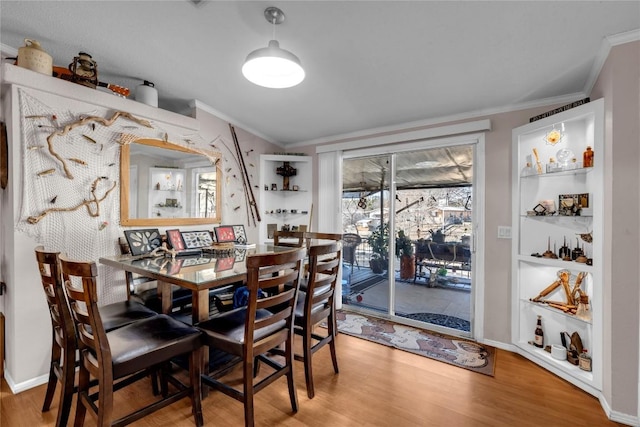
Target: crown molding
x,y
8,51
204,107
403,127
607,43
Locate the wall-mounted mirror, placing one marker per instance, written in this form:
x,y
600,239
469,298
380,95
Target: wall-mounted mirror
x,y
167,184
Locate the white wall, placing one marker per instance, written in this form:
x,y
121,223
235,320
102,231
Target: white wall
x,y
619,84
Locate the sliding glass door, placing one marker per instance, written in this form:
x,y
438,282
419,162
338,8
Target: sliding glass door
x,y
408,224
365,208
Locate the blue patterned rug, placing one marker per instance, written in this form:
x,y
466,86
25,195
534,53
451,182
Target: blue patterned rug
x,y
440,320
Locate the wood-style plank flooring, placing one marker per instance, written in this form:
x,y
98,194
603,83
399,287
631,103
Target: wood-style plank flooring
x,y
377,386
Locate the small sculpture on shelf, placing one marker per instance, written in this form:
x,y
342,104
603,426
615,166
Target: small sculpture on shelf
x,y
286,171
572,294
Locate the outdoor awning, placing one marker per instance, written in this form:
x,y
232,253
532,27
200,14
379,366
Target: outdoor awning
x,y
431,168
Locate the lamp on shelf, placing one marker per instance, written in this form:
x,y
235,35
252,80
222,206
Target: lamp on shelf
x,y
272,66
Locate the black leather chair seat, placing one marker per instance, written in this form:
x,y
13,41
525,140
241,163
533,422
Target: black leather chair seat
x,y
123,313
299,310
181,297
135,347
227,330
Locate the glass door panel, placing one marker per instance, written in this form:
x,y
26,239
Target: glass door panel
x,y
365,218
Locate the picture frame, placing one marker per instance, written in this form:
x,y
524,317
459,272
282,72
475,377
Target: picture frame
x,y
197,239
225,233
223,264
274,187
189,262
573,204
296,188
175,240
241,236
174,266
271,228
144,241
240,254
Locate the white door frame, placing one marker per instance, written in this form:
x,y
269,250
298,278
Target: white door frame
x,y
333,161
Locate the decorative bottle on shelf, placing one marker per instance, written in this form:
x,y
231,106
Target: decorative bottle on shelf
x,y
587,158
528,170
538,339
584,360
583,312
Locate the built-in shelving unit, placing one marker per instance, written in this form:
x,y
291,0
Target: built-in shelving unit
x,y
280,205
537,235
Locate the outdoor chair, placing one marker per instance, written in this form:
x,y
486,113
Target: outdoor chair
x,y
350,243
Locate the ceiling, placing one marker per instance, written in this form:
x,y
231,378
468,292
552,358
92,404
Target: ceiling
x,y
369,65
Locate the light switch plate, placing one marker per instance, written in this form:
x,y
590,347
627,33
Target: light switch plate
x,y
504,232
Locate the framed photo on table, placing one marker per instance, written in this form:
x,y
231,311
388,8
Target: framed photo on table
x,y
225,233
142,242
175,240
241,236
197,239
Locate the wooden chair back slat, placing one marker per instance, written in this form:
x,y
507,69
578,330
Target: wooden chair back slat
x,y
63,337
280,305
324,263
84,307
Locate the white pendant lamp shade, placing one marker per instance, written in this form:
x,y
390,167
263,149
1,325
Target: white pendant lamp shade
x,y
273,67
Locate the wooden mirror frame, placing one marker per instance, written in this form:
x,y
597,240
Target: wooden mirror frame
x,y
125,164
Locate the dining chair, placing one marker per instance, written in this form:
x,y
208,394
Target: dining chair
x,y
250,332
127,354
316,238
315,305
63,347
292,239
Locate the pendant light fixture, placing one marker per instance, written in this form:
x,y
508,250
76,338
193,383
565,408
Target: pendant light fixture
x,y
272,66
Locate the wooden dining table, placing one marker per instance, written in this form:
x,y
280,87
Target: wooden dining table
x,y
198,273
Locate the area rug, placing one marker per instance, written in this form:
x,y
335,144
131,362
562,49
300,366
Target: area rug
x,y
454,351
440,320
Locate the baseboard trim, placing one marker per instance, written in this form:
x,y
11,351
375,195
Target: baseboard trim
x,y
616,416
500,345
25,385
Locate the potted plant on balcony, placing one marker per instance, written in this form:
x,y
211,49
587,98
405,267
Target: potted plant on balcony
x,y
379,242
404,251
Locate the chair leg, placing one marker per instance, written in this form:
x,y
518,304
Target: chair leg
x,y
105,402
248,392
83,392
66,394
333,332
51,389
195,362
308,371
289,358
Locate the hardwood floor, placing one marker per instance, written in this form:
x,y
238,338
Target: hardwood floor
x,y
377,386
